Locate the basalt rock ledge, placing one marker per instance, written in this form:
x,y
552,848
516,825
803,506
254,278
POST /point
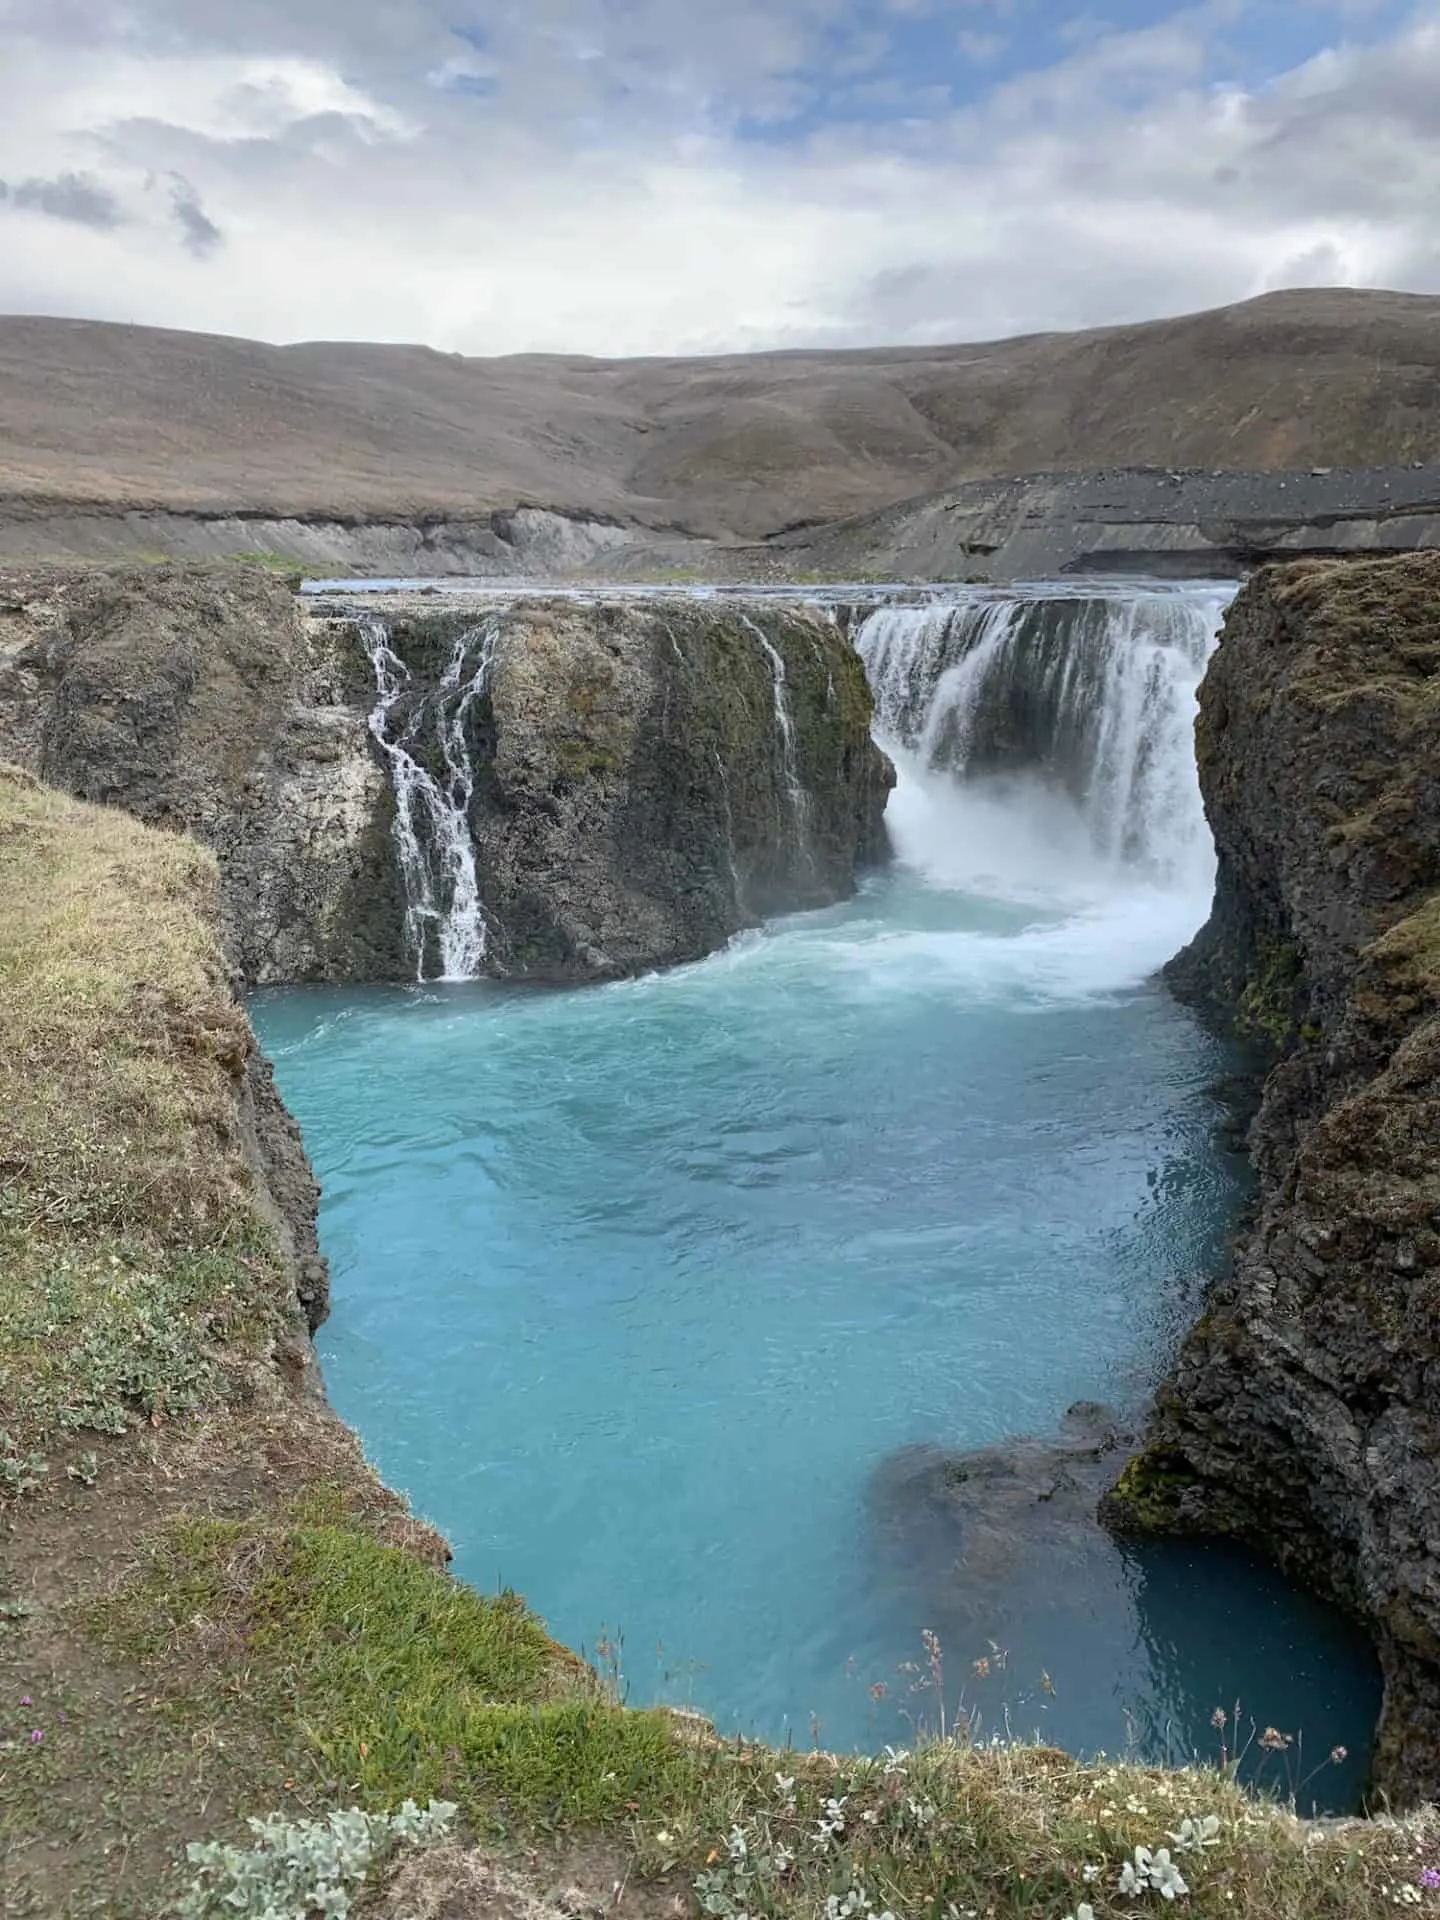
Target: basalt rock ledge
x,y
1303,1413
640,781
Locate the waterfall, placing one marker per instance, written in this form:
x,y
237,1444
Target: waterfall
x,y
432,815
1091,694
785,729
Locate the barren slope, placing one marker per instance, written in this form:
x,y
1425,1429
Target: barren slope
x,y
739,445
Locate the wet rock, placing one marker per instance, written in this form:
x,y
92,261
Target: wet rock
x,y
958,1527
658,777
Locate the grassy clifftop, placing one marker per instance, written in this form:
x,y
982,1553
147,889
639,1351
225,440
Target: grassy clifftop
x,y
210,1608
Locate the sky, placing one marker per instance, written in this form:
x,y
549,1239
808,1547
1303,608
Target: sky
x,y
697,176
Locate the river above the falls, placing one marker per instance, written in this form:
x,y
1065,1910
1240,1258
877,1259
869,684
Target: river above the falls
x,y
648,1293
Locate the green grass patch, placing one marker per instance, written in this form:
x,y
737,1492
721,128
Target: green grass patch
x,y
402,1683
268,562
398,1679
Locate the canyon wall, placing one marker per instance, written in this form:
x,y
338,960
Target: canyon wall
x,y
1304,1411
641,783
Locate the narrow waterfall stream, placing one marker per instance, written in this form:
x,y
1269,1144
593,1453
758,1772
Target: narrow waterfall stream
x,y
670,1301
432,815
784,727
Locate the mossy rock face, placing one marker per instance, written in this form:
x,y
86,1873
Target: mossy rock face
x,y
651,777
1151,1496
1302,1408
201,699
1270,1006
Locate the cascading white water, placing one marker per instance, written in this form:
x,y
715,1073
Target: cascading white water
x,y
432,817
785,728
1089,695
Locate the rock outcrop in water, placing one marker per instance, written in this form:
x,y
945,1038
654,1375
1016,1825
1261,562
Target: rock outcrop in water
x,y
638,782
960,1525
651,778
1304,1411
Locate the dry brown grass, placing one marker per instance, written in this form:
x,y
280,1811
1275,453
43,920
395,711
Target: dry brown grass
x,y
136,1268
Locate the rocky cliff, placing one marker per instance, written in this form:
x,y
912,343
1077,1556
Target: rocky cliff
x,y
199,699
1304,1411
649,778
1193,524
638,782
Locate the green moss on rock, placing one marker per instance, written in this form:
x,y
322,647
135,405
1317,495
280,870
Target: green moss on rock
x,y
1271,1003
1150,1494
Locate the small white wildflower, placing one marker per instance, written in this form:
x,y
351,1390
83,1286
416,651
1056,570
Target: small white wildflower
x,y
664,1839
1089,1875
785,1782
1163,1874
870,1817
1130,1883
1197,1833
895,1758
1083,1912
783,1859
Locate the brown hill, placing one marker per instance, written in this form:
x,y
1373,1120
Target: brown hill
x,y
738,445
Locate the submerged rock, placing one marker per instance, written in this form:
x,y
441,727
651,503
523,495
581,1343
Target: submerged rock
x,y
960,1526
1304,1411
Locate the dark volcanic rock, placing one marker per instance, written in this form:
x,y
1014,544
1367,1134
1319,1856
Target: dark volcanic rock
x,y
1304,1412
641,802
198,699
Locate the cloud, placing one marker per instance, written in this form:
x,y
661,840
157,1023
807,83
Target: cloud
x,y
68,196
200,234
615,176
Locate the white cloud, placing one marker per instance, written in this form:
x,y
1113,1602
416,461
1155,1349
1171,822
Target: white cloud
x,y
574,175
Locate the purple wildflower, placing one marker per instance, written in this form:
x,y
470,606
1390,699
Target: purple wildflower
x,y
25,1700
36,1737
1430,1879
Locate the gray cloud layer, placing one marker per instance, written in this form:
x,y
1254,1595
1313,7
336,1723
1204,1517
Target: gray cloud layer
x,y
584,175
68,196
